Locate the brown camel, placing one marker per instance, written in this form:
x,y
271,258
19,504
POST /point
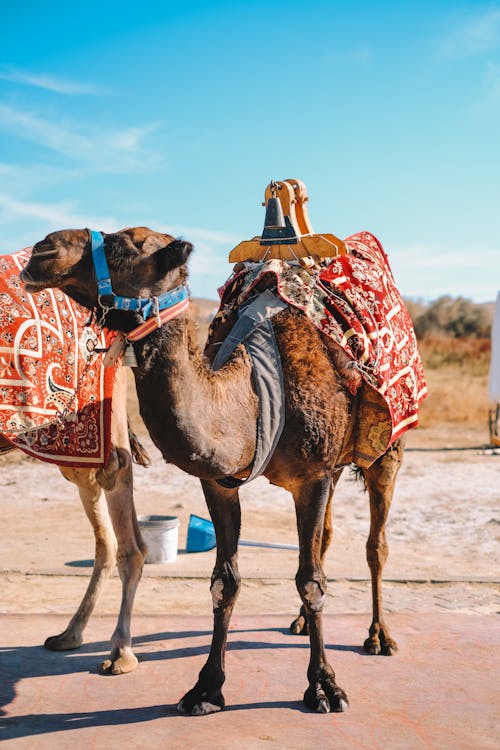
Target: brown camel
x,y
116,481
205,423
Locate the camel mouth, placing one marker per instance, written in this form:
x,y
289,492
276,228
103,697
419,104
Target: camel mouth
x,y
30,284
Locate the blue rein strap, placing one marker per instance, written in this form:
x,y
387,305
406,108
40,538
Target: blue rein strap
x,y
143,305
100,265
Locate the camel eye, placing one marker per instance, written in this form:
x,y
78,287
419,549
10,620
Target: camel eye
x,y
44,250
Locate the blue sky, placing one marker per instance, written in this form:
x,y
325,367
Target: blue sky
x,y
176,115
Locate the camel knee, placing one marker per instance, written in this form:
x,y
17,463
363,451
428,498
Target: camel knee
x,y
119,463
225,586
105,554
130,563
83,478
377,552
312,590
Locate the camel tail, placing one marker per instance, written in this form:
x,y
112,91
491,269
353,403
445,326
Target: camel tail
x,y
139,453
359,476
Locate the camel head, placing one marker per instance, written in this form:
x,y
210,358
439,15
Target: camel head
x,y
142,264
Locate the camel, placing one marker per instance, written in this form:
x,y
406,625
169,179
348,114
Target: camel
x,y
204,421
113,520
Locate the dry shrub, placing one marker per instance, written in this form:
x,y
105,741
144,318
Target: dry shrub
x,y
452,316
470,356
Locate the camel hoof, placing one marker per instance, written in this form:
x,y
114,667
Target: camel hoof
x,y
200,709
203,705
383,646
299,626
324,696
389,648
320,703
125,662
372,646
66,641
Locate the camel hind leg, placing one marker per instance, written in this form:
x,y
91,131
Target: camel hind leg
x,y
105,556
311,500
299,625
380,480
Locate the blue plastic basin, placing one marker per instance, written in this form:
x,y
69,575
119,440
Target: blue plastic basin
x,y
200,534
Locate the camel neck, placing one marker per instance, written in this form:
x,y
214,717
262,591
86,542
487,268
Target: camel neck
x,y
202,421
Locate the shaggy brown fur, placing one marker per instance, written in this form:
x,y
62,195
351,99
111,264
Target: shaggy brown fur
x,y
205,423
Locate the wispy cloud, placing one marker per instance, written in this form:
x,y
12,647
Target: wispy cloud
x,y
197,234
54,215
51,83
474,35
131,139
429,271
112,150
23,179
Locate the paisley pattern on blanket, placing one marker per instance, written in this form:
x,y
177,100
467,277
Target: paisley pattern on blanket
x,y
55,394
353,300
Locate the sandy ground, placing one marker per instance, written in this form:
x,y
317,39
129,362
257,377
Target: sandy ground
x,y
443,532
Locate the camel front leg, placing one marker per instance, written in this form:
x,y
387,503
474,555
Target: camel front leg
x,y
118,485
299,625
117,481
311,500
104,561
380,480
206,697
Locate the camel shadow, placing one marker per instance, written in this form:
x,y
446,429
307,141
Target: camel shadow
x,y
20,663
30,725
89,563
293,641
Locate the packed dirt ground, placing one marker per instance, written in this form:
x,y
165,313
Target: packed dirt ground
x,y
443,533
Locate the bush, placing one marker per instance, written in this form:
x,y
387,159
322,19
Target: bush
x,y
455,317
454,341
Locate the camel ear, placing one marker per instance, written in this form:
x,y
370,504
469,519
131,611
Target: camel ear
x,y
174,255
154,242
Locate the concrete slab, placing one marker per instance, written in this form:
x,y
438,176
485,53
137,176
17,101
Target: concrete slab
x,y
441,691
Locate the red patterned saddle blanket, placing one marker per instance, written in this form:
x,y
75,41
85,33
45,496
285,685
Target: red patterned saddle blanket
x,y
352,300
55,394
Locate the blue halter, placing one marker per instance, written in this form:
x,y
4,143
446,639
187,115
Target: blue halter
x,y
143,305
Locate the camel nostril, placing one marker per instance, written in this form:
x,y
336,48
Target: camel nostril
x,y
25,275
30,284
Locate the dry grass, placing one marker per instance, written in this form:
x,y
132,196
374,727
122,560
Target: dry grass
x,y
455,398
457,379
462,355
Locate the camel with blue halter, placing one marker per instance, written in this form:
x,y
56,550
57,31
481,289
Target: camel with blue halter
x,y
204,421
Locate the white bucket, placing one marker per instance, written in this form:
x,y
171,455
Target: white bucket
x,y
161,535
